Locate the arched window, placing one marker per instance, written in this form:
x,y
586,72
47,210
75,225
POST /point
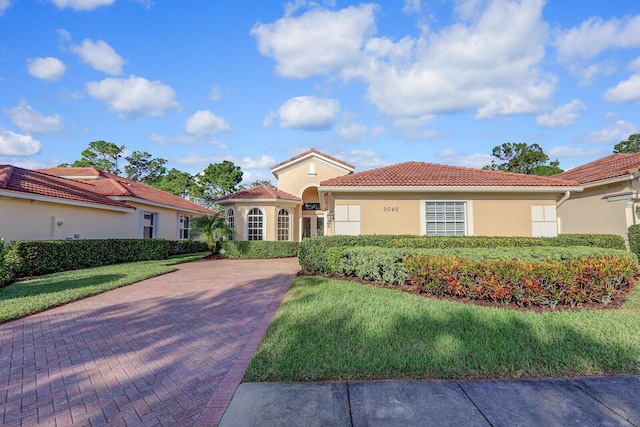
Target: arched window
x,y
231,222
255,223
283,224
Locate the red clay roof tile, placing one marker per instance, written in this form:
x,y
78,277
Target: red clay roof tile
x,y
312,150
418,174
611,166
262,192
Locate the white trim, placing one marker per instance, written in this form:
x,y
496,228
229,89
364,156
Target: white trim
x,y
289,222
61,201
159,205
630,195
292,164
468,215
448,189
262,201
611,180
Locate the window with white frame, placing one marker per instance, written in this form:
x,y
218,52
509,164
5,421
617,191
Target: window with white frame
x,y
283,224
183,226
255,224
231,222
445,219
149,225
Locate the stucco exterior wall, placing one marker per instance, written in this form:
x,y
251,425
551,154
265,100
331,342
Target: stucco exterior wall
x,y
590,212
24,220
296,179
241,211
400,213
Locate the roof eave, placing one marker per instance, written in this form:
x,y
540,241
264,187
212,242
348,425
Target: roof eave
x,y
275,170
449,189
254,201
614,180
161,205
62,201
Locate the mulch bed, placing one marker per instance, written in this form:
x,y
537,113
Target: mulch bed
x,y
613,305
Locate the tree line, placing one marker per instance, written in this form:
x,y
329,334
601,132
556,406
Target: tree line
x,y
219,179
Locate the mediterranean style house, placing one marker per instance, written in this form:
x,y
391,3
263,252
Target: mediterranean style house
x,y
320,195
85,203
610,200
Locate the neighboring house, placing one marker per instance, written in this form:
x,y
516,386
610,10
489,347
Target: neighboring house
x,y
318,194
610,200
85,203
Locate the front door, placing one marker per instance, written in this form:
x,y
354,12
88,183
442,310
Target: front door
x,y
312,226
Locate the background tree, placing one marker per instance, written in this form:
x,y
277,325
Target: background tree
x,y
523,158
101,155
176,182
631,145
213,229
259,182
143,168
217,180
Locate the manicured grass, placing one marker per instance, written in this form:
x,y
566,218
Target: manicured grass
x,y
337,330
37,294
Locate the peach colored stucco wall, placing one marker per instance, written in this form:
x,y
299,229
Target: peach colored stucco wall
x,y
293,181
493,214
23,220
270,223
589,212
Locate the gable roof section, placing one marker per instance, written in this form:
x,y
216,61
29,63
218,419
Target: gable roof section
x,y
123,189
610,167
418,174
276,169
25,181
261,192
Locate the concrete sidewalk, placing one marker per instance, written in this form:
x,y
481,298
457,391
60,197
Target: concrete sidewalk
x,y
583,401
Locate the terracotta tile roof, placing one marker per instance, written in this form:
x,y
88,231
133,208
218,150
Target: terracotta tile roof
x,y
116,186
262,192
418,174
611,166
33,182
312,150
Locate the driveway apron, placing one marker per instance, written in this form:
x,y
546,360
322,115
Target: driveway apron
x,y
167,351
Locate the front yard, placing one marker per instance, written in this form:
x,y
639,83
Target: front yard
x,y
337,330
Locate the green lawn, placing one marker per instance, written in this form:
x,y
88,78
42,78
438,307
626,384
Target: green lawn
x,y
337,330
37,294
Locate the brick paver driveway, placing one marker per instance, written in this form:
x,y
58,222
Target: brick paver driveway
x,y
166,351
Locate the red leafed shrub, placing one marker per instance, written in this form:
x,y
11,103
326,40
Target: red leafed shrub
x,y
575,282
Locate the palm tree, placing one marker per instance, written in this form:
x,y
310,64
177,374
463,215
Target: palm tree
x,y
213,229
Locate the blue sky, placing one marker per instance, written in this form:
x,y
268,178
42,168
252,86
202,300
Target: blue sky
x,y
257,82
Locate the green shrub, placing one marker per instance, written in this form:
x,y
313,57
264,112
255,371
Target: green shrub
x,y
37,257
572,282
259,249
634,239
4,271
386,265
181,247
313,251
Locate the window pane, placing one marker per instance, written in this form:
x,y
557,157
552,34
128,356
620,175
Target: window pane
x,y
445,219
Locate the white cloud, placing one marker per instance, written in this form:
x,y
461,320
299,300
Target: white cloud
x,y
634,65
248,163
564,115
352,131
215,94
477,161
100,56
625,91
594,36
362,159
482,65
308,113
134,97
411,6
32,121
204,122
49,68
378,130
318,42
564,151
613,132
201,162
13,144
81,4
4,5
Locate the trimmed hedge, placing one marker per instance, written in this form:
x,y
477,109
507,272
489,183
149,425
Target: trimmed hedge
x,y
259,249
4,272
38,257
572,283
181,247
634,239
387,265
313,251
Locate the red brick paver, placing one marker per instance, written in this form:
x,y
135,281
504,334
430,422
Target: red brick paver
x,y
163,352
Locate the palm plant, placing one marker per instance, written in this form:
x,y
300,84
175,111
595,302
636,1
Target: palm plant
x,y
212,229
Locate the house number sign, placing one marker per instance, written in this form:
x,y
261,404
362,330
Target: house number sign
x,y
391,209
